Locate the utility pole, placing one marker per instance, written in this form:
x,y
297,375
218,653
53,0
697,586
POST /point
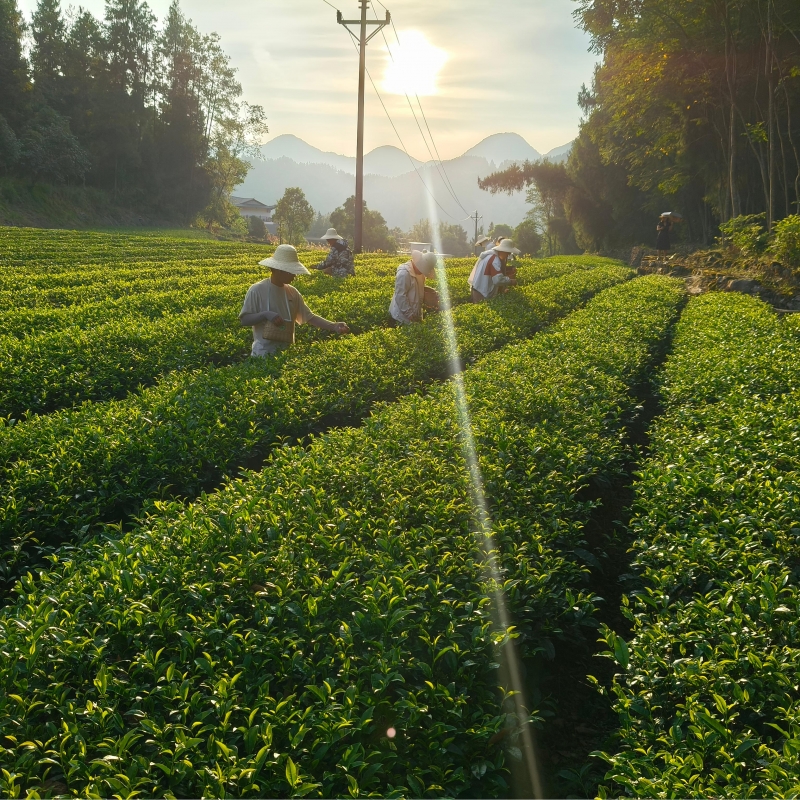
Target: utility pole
x,y
476,218
362,40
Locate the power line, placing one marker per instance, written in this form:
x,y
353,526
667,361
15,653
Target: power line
x,y
391,122
446,180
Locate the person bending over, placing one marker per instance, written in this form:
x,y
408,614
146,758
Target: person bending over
x,y
272,307
410,292
491,276
339,261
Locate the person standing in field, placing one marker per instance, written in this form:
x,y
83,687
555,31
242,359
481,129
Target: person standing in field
x,y
339,261
490,276
663,231
272,307
410,292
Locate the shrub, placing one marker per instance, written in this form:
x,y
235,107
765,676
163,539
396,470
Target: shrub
x,y
786,241
746,233
260,642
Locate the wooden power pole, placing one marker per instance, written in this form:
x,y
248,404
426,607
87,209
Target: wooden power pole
x,y
362,38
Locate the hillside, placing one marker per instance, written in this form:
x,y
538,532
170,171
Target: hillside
x,y
391,185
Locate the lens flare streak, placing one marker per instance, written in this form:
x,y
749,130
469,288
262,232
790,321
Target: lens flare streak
x,y
483,522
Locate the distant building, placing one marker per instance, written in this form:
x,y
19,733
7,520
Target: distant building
x,y
250,207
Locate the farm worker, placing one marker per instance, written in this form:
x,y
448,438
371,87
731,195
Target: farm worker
x,y
480,244
339,262
272,307
489,276
410,292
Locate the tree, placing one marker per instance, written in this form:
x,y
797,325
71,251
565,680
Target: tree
x,y
548,184
13,67
321,224
528,238
48,52
421,231
295,215
375,232
453,239
9,146
48,151
256,227
501,229
235,139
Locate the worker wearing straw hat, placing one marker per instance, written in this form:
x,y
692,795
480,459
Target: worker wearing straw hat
x,y
481,245
489,276
339,261
410,292
272,307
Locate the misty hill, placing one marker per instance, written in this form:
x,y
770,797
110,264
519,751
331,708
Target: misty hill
x,y
391,186
387,160
502,147
558,154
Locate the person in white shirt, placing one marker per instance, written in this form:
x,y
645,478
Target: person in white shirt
x,y
272,307
490,276
410,292
481,245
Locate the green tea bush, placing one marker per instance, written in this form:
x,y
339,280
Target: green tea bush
x,y
261,641
100,462
746,233
97,329
786,241
707,697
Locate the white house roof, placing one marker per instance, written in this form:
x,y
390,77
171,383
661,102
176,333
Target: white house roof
x,y
250,202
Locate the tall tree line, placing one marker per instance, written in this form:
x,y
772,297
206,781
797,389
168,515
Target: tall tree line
x,y
150,113
695,106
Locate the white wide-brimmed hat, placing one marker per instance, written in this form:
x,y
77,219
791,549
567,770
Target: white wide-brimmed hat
x,y
285,258
331,234
424,262
506,246
483,240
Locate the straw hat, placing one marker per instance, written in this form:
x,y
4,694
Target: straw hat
x,y
483,240
331,234
424,262
506,246
285,258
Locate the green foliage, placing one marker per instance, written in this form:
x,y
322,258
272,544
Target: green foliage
x,y
501,229
707,697
261,641
786,241
294,215
257,228
421,231
48,151
9,146
528,238
182,435
746,233
453,239
375,233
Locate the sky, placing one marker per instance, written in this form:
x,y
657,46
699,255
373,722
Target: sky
x,y
482,68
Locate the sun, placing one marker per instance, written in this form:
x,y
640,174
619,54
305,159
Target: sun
x,y
413,65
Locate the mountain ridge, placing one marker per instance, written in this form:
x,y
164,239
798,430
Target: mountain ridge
x,y
402,193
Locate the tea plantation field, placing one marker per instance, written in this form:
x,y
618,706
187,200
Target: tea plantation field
x,y
373,565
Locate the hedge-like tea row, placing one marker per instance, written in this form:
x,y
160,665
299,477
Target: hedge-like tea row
x,y
708,701
61,368
262,641
100,462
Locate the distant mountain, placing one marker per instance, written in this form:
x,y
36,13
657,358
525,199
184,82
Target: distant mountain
x,y
503,147
558,154
387,160
391,185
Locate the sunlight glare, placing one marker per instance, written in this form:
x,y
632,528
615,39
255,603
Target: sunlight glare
x,y
413,65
